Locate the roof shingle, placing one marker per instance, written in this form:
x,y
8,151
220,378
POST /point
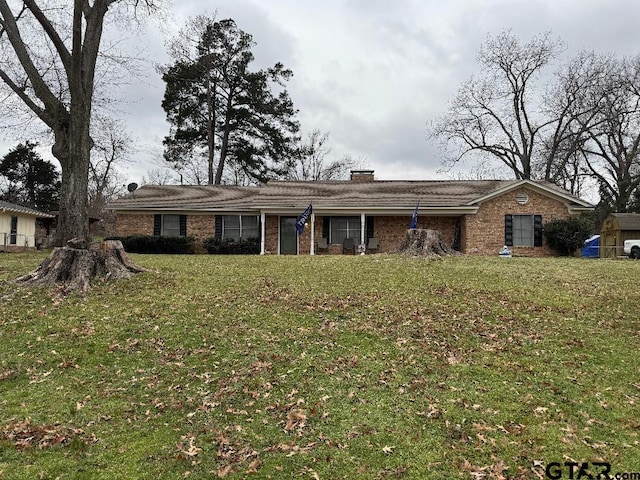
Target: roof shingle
x,y
291,194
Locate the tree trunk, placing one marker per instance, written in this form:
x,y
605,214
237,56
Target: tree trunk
x,y
75,266
425,243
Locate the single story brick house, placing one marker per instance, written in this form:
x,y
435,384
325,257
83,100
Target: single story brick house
x,y
18,227
475,216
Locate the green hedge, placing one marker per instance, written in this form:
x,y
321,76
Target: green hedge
x,y
567,236
229,246
153,244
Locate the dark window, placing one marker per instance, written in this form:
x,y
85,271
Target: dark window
x,y
13,239
240,227
170,226
523,230
344,227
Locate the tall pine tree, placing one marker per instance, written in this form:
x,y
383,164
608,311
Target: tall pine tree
x,y
220,109
27,179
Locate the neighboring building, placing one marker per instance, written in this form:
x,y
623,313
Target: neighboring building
x,y
617,228
18,227
475,217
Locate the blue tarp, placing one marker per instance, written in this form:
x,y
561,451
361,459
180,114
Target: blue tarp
x,y
591,247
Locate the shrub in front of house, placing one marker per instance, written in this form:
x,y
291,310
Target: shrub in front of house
x,y
567,236
153,244
229,246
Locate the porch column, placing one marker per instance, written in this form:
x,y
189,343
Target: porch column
x,y
263,229
313,229
362,229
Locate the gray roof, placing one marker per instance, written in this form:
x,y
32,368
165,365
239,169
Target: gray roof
x,y
627,221
391,194
188,197
12,207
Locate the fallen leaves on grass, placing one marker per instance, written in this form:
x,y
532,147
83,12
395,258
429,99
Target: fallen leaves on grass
x,y
24,435
233,455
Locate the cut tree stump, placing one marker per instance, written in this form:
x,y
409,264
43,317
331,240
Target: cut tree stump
x,y
74,267
421,242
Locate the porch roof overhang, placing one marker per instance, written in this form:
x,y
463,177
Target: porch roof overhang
x,y
296,210
423,210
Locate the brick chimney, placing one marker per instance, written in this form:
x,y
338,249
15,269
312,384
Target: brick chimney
x,y
362,176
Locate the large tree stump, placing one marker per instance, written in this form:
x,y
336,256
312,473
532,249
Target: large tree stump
x,y
74,267
424,243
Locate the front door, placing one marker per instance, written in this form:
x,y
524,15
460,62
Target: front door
x,y
288,236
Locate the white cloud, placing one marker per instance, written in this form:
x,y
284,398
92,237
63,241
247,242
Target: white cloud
x,y
373,72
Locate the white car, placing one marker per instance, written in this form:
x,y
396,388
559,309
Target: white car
x,y
632,248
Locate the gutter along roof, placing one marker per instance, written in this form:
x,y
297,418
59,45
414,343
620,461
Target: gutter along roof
x,y
13,208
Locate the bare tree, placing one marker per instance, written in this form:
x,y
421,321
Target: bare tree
x,y
611,150
112,147
49,65
311,163
159,176
502,112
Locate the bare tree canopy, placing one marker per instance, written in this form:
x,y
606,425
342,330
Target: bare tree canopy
x,y
50,52
112,148
499,113
581,121
311,163
611,145
48,63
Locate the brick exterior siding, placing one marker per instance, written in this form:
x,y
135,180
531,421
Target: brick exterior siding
x,y
128,224
389,230
200,227
480,234
483,233
272,227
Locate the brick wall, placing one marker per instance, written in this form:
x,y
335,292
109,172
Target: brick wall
x,y
200,227
133,224
483,233
271,234
389,230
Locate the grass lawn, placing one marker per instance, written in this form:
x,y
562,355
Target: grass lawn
x,y
323,367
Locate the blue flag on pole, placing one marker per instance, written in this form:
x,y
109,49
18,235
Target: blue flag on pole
x,y
302,219
414,218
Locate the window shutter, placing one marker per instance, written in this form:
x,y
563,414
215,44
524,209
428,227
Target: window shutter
x,y
326,227
508,230
537,230
457,237
183,225
369,222
157,225
218,226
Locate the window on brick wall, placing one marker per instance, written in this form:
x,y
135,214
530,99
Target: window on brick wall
x,y
344,227
240,227
170,225
523,230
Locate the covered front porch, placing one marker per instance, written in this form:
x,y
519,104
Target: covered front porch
x,y
326,230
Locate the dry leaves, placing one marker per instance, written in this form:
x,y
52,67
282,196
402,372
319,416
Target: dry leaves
x,y
26,435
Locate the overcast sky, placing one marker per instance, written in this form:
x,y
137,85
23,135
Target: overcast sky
x,y
373,72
